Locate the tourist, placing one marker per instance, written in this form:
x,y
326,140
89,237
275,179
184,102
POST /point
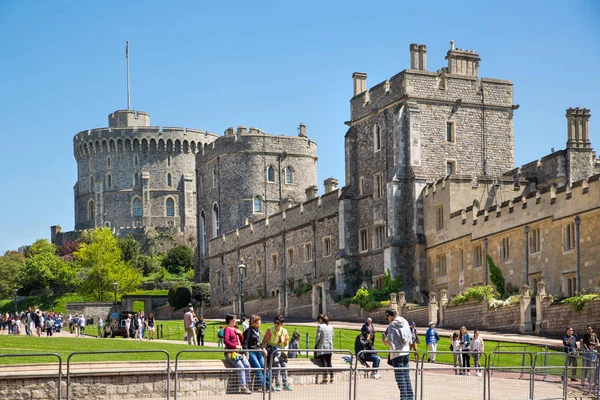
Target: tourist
x,y
363,348
465,343
414,346
127,325
570,348
82,325
589,337
30,325
201,330
151,327
324,341
220,336
477,347
431,339
100,322
398,338
37,320
237,359
137,326
49,326
277,339
245,324
256,357
455,347
188,322
77,325
590,365
368,327
294,344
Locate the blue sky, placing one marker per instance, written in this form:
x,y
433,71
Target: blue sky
x,y
268,64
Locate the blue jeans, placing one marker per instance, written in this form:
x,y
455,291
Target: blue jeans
x,y
257,361
374,359
242,369
402,375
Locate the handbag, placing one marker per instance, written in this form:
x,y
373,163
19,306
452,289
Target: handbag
x,y
233,356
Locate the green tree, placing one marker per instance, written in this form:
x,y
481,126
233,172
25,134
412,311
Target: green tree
x,y
147,264
130,248
179,259
12,264
201,292
496,277
180,295
101,261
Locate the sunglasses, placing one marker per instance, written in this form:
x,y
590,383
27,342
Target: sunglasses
x,y
277,323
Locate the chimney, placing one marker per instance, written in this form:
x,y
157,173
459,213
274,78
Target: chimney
x,y
422,57
414,56
578,128
360,82
462,62
302,130
311,192
331,184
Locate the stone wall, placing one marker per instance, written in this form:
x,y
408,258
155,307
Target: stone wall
x,y
91,310
479,316
419,315
557,317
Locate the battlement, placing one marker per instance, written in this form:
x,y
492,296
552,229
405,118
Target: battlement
x,y
255,140
303,214
458,83
128,118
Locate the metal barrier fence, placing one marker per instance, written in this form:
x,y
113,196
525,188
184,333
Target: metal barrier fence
x,y
510,381
374,366
455,380
127,368
59,372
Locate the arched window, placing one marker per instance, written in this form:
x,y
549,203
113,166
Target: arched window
x,y
203,232
169,161
136,179
170,206
377,137
271,174
109,181
257,205
169,180
107,162
288,175
215,221
91,183
92,210
137,207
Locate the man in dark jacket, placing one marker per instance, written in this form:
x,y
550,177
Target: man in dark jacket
x,y
201,330
570,347
364,341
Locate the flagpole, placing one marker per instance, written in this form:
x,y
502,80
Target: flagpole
x,y
128,88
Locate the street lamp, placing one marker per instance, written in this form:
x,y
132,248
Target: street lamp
x,y
242,272
115,286
577,222
527,229
16,290
485,243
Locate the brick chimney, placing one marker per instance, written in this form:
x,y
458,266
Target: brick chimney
x,y
422,57
360,82
578,128
414,56
462,62
331,184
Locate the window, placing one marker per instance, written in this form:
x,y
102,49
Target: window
x,y
137,207
275,261
91,183
377,137
257,205
440,261
450,132
168,161
259,268
450,167
271,174
107,162
308,252
569,237
534,241
135,161
136,179
363,245
203,232
505,249
439,217
378,186
169,180
290,259
214,178
109,181
215,220
477,256
288,175
379,236
170,207
92,210
361,186
327,246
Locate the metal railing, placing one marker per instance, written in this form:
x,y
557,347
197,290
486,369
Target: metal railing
x,y
59,374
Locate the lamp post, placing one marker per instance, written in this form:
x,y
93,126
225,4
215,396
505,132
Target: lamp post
x,y
115,286
577,222
527,229
16,290
485,244
242,272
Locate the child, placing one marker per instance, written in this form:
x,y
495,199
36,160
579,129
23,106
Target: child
x,y
455,347
220,336
294,344
590,364
477,348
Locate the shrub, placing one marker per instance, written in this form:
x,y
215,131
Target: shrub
x,y
180,295
496,276
302,288
179,259
578,301
346,301
479,293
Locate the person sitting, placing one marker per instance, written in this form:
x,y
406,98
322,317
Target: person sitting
x,y
362,347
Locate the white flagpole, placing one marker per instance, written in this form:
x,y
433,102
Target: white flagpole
x,y
128,89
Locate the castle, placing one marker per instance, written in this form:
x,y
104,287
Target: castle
x,y
429,178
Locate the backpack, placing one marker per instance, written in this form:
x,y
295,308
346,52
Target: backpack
x,y
220,334
451,347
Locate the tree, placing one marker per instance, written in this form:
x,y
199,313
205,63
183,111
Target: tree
x,y
130,248
496,277
180,295
12,264
147,264
179,259
201,292
101,260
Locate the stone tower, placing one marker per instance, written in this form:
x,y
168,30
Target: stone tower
x,y
131,174
405,132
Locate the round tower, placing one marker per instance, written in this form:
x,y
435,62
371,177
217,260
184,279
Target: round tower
x,y
131,174
246,175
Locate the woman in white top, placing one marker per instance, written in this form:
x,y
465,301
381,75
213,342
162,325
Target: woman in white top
x,y
456,353
477,348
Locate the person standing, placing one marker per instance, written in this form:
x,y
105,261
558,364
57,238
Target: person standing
x,y
455,347
151,327
414,346
137,327
201,330
570,348
127,325
589,337
220,336
398,338
237,359
465,343
253,341
142,325
245,324
477,347
368,327
324,341
82,324
277,339
188,322
431,339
